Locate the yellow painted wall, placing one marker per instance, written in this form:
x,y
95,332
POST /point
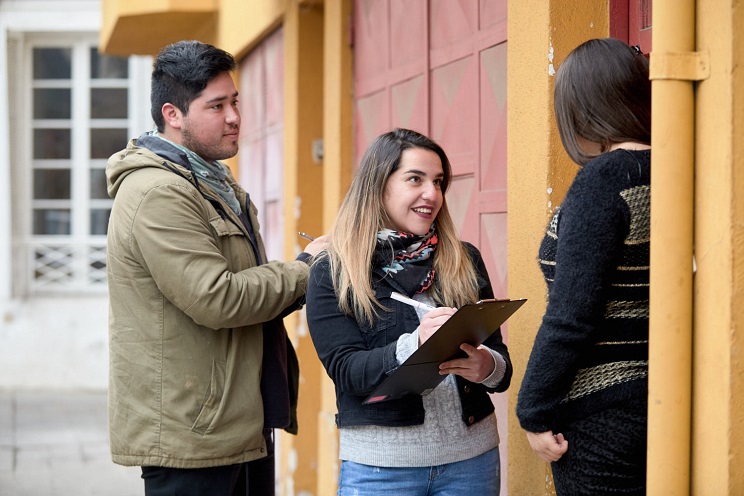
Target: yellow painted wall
x,y
337,166
242,24
531,148
541,34
142,27
735,426
303,200
718,368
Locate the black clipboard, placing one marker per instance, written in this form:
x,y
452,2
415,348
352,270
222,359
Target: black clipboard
x,y
419,374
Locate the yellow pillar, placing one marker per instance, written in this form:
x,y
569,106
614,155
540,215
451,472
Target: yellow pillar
x,y
303,200
670,323
541,34
337,167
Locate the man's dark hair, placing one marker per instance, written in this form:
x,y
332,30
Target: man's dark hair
x,y
181,72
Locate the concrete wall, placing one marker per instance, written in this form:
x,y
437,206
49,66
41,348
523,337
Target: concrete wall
x,y
48,341
44,342
54,343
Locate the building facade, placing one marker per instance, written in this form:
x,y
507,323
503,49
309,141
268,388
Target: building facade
x,y
318,80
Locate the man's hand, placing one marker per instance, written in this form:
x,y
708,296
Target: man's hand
x,y
550,447
317,245
476,367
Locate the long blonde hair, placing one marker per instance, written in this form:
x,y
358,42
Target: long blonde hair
x,y
362,215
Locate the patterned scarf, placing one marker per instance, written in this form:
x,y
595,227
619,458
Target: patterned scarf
x,y
211,173
407,258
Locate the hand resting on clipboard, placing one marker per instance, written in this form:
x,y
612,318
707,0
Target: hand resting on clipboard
x,y
471,324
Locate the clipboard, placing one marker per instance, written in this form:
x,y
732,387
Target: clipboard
x,y
419,374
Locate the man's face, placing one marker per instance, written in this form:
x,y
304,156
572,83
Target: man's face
x,y
211,128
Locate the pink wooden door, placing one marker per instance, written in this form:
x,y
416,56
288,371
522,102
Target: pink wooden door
x,y
262,136
439,67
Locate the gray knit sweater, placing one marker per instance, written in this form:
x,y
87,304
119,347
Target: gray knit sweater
x,y
442,438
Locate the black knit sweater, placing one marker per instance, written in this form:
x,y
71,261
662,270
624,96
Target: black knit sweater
x,y
591,351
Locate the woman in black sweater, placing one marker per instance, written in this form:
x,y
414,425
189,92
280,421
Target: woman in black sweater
x,y
583,400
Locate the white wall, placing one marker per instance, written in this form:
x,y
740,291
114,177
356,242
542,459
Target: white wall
x,y
49,341
54,343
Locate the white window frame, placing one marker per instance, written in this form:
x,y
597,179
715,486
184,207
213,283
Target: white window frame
x,y
79,250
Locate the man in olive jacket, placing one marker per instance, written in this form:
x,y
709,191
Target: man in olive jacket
x,y
201,369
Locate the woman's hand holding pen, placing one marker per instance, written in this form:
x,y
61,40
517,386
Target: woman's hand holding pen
x,y
432,321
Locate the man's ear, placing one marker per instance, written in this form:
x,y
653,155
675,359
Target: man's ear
x,y
172,115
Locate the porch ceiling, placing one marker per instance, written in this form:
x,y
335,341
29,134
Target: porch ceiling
x,y
137,27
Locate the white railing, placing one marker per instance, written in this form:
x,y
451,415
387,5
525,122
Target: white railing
x,y
66,266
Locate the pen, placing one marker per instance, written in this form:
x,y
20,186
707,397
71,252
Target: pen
x,y
306,236
410,301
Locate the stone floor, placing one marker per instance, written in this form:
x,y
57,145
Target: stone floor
x,y
55,443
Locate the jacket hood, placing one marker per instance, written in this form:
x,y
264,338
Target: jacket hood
x,y
139,154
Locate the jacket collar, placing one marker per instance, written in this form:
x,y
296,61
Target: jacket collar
x,y
164,149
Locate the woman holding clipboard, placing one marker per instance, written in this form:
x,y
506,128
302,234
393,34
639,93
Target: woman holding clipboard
x,y
394,233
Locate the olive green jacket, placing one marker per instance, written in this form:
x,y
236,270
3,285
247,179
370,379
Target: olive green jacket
x,y
187,303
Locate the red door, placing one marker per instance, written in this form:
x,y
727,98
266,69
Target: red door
x,y
439,67
630,21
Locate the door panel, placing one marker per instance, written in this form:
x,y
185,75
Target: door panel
x,y
454,112
639,24
631,21
261,157
407,98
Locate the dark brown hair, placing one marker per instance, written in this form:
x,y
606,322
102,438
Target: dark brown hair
x,y
181,72
602,94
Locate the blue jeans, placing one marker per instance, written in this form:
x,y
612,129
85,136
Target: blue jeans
x,y
479,476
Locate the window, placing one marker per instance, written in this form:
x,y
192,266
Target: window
x,y
79,116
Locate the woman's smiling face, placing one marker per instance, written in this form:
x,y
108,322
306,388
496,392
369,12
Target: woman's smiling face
x,y
413,193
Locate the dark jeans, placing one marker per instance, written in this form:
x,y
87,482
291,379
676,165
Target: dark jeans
x,y
255,478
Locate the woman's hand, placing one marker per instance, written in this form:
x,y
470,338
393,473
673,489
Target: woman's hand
x,y
433,321
476,367
550,447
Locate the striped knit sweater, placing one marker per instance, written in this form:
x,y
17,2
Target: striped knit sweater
x,y
591,351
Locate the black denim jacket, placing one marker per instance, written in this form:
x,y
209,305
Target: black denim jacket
x,y
359,357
